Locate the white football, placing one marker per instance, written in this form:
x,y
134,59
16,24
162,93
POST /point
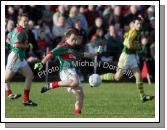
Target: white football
x,y
94,80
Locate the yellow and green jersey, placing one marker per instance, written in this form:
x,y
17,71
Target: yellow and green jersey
x,y
66,55
18,36
131,37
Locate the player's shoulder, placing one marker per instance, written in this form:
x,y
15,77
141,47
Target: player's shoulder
x,y
61,44
132,30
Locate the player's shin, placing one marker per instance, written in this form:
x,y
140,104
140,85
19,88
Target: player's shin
x,y
140,88
108,77
79,100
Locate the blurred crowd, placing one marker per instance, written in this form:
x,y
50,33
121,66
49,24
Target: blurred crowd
x,y
103,25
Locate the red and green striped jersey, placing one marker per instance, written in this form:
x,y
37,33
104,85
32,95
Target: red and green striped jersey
x,y
18,36
66,55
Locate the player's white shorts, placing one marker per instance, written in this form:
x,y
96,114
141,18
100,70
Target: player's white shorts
x,y
14,63
128,61
65,75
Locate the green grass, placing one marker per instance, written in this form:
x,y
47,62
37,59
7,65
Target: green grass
x,y
110,100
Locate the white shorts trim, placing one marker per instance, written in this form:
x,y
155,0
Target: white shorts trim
x,y
14,63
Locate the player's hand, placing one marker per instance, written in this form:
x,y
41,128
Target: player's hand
x,y
99,50
38,66
30,46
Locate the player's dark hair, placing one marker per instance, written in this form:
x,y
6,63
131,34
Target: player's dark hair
x,y
137,18
68,33
71,31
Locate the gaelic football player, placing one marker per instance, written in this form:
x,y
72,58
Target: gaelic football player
x,y
67,57
129,58
18,40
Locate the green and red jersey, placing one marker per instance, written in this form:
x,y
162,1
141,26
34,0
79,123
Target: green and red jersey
x,y
18,36
66,55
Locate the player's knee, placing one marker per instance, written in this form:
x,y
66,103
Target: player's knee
x,y
7,79
30,76
74,83
117,78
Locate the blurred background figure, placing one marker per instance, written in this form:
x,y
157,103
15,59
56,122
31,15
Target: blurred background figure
x,y
60,11
75,15
114,43
82,33
9,26
91,14
59,29
98,24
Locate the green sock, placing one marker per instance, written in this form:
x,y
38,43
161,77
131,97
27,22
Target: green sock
x,y
139,85
107,76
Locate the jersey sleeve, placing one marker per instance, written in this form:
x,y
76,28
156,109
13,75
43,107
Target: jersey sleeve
x,y
57,51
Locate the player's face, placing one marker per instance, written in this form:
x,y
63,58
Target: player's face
x,y
137,25
74,40
23,22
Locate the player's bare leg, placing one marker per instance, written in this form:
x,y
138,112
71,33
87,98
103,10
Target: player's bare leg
x,y
139,85
71,82
8,76
78,92
28,74
118,75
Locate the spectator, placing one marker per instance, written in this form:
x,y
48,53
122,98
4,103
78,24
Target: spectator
x,y
34,12
117,17
9,26
59,30
44,27
33,29
98,24
82,33
133,12
59,12
74,15
113,42
108,11
12,13
91,14
42,44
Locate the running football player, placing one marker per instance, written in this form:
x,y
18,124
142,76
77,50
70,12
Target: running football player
x,y
18,41
129,58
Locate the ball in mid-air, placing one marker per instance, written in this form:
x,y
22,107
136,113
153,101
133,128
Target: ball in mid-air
x,y
94,80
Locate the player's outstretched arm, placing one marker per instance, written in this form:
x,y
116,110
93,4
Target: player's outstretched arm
x,y
89,55
40,65
92,55
46,58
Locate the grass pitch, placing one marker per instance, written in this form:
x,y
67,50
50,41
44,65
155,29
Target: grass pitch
x,y
109,100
